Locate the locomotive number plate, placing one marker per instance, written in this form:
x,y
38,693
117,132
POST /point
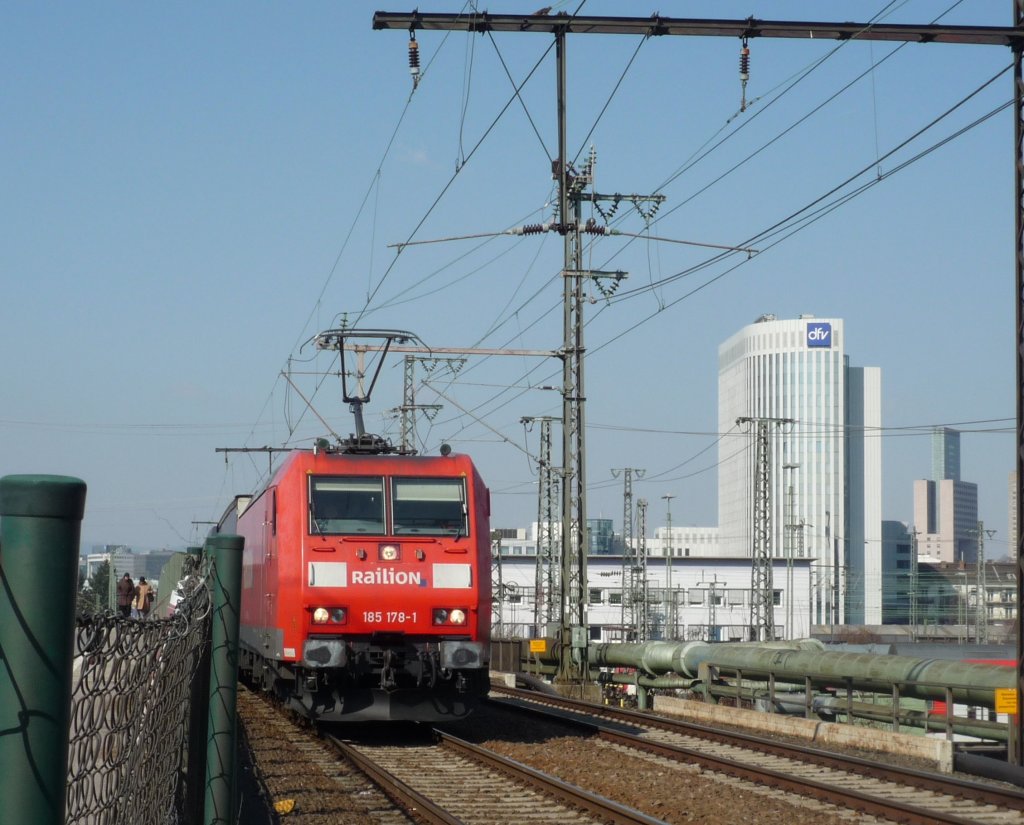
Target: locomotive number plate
x,y
388,617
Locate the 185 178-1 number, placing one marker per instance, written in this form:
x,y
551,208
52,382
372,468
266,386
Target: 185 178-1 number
x,y
390,617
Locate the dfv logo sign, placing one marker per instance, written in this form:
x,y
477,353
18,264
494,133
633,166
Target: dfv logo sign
x,y
819,335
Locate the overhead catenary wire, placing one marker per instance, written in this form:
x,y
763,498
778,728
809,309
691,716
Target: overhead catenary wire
x,y
884,10
519,97
658,283
511,317
370,189
780,225
792,83
785,226
631,60
437,200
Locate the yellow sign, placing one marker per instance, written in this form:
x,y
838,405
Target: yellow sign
x,y
538,645
1006,700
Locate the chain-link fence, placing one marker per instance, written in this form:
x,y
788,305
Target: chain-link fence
x,y
133,710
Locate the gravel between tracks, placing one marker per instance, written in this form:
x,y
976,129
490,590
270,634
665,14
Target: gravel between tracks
x,y
280,764
276,768
648,784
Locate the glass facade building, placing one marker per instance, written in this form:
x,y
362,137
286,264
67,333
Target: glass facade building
x,y
945,454
601,537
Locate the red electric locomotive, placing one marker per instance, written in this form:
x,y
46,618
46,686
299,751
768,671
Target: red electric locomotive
x,y
366,581
366,585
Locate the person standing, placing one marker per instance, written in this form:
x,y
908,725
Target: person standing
x,y
125,594
143,599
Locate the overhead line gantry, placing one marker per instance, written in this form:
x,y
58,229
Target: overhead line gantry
x,y
562,24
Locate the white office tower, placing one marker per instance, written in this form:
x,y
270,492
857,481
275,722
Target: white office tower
x,y
824,470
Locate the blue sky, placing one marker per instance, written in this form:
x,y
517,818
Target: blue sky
x,y
192,190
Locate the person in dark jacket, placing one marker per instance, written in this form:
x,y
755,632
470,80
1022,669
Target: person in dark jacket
x,y
125,594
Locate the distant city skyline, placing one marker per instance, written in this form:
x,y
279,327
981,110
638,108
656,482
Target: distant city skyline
x,y
220,188
946,507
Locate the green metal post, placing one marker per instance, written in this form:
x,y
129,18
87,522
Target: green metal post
x,y
226,573
641,696
40,526
199,694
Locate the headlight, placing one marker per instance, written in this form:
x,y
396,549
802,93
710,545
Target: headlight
x,y
329,615
453,616
388,552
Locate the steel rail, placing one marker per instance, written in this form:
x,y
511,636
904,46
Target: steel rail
x,y
921,780
394,787
955,786
607,809
823,791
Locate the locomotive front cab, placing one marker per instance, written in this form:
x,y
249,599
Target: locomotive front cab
x,y
394,580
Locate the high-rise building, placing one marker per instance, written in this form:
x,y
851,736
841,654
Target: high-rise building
x,y
829,455
946,508
945,454
899,574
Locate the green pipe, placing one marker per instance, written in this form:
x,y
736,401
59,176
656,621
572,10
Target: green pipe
x,y
659,682
793,662
226,573
679,657
919,678
40,527
979,728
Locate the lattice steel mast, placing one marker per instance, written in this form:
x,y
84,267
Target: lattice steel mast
x,y
629,554
548,559
409,406
981,588
639,580
762,601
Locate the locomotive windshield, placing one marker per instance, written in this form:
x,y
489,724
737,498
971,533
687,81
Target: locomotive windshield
x,y
346,505
431,506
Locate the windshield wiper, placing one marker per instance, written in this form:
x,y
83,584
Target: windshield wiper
x,y
464,514
314,524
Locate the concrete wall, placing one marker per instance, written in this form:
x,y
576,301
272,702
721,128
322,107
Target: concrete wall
x,y
827,734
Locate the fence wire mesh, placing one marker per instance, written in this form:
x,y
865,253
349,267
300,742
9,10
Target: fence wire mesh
x,y
132,710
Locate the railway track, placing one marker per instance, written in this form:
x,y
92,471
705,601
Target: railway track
x,y
406,779
453,782
297,770
884,791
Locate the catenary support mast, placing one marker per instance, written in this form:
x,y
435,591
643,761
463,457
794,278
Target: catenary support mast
x,y
762,591
1017,752
630,554
548,559
638,580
